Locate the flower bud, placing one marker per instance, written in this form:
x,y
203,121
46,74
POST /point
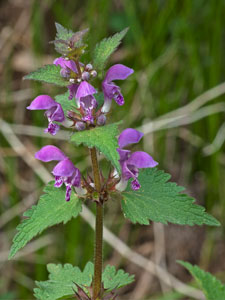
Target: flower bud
x,y
80,126
89,67
72,80
85,75
93,73
101,120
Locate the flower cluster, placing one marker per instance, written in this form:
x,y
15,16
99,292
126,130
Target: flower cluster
x,y
88,113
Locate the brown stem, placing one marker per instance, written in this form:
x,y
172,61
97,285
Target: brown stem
x,y
95,169
97,282
78,67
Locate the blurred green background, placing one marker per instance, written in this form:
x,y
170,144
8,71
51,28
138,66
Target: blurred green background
x,y
176,96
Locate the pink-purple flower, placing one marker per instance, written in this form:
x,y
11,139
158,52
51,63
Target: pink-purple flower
x,y
66,66
110,89
80,89
88,104
54,111
131,162
65,172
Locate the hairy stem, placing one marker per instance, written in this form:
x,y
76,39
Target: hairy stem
x,y
78,67
97,283
95,168
98,230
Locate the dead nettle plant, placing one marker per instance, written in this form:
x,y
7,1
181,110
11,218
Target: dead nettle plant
x,y
144,192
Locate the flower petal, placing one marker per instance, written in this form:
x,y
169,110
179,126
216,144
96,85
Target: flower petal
x,y
52,128
76,179
127,172
129,136
49,153
72,90
141,159
42,102
122,185
58,114
135,185
119,98
107,104
64,168
64,63
124,154
85,89
118,72
68,192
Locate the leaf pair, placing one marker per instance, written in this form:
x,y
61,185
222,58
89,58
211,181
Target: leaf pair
x,y
157,200
63,280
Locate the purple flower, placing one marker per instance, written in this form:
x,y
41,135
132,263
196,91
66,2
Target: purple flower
x,y
66,66
84,98
64,172
131,162
112,91
54,111
79,87
84,89
87,104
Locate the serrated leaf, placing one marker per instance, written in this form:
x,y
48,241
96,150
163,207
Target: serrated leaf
x,y
211,286
161,201
62,32
65,102
104,139
105,48
113,279
48,74
62,281
50,210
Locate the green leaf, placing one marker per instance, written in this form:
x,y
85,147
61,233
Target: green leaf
x,y
161,201
100,99
65,102
62,32
50,210
62,281
105,48
103,138
115,280
49,74
66,40
211,286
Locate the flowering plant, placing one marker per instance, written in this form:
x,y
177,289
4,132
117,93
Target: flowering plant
x,y
144,191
